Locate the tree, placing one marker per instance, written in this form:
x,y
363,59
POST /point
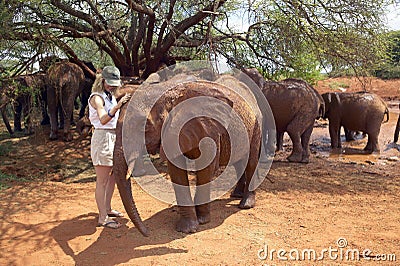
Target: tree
x,y
389,67
140,36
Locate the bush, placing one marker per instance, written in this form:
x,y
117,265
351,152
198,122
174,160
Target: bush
x,y
388,72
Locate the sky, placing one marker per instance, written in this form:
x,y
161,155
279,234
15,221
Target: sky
x,y
393,17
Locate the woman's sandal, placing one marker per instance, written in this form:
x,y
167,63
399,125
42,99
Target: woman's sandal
x,y
110,224
115,213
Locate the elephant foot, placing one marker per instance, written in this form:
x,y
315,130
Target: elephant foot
x,y
18,129
53,135
295,158
204,218
370,150
187,225
187,222
203,213
248,201
305,159
237,193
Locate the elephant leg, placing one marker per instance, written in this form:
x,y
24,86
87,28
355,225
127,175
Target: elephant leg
x,y
202,196
372,144
349,134
396,131
52,106
334,133
239,188
27,110
5,120
279,140
17,116
43,106
187,222
84,102
368,147
305,140
249,195
67,107
295,129
296,155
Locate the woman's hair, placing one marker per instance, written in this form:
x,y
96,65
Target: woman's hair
x,y
98,84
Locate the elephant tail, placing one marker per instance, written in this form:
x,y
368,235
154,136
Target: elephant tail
x,y
396,132
387,115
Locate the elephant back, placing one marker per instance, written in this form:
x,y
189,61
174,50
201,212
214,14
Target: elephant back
x,y
66,75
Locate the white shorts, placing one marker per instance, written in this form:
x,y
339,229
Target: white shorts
x,y
102,147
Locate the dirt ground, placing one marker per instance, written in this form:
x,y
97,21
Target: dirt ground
x,y
337,205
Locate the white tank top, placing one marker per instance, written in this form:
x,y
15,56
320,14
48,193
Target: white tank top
x,y
94,118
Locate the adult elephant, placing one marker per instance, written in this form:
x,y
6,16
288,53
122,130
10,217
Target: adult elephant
x,y
181,89
64,85
89,71
21,91
359,111
295,105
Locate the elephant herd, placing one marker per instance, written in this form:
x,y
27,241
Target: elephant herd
x,y
54,90
294,103
295,106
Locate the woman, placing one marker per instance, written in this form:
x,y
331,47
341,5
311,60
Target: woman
x,y
103,115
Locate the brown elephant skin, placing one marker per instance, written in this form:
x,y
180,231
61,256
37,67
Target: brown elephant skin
x,y
359,111
190,135
20,91
295,105
64,85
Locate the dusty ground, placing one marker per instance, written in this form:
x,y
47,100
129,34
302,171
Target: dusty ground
x,y
49,213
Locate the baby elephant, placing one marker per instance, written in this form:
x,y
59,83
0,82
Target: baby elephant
x,y
359,111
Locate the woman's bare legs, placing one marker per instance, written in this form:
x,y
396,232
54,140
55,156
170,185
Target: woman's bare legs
x,y
105,185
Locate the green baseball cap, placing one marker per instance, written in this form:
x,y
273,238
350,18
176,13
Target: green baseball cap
x,y
111,75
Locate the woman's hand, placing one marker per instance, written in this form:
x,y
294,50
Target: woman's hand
x,y
123,100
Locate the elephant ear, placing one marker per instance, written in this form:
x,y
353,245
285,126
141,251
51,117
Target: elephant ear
x,y
331,97
196,129
336,99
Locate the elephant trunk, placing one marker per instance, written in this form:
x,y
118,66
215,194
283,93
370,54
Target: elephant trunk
x,y
120,170
125,191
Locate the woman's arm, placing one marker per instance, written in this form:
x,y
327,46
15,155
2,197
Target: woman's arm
x,y
104,115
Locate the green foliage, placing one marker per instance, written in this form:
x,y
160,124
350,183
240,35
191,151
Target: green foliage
x,y
303,65
284,38
6,179
388,72
336,85
394,48
390,65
